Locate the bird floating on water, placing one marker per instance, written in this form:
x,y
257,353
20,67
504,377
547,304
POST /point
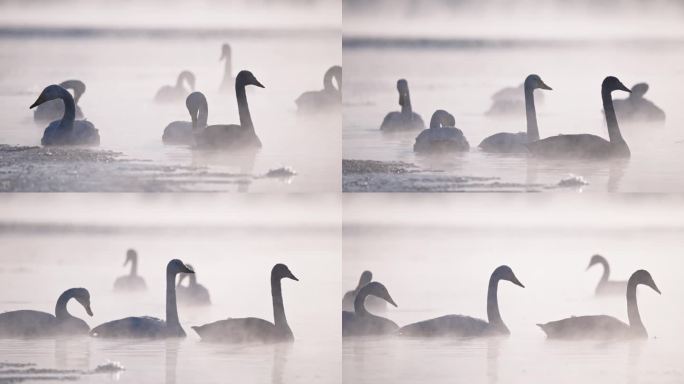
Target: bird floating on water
x,y
363,323
172,93
372,302
68,130
326,100
182,132
53,110
131,282
406,119
442,136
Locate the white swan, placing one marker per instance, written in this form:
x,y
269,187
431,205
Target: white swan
x,y
505,142
181,132
233,136
442,136
194,294
150,327
373,303
53,110
327,99
66,131
406,120
363,323
27,323
131,282
171,93
252,329
228,79
636,108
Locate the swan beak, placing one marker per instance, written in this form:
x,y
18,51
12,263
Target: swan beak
x,y
88,310
622,87
187,270
544,86
258,84
38,102
291,276
655,288
389,300
517,282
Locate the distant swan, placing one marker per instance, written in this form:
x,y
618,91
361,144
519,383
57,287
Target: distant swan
x,y
171,93
252,329
329,98
27,323
194,294
373,303
53,110
150,327
509,101
131,282
585,146
605,286
228,79
442,136
406,120
66,131
466,326
233,136
636,108
361,322
181,132
506,142
604,327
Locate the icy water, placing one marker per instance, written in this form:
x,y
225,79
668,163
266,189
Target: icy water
x,y
435,254
460,75
51,244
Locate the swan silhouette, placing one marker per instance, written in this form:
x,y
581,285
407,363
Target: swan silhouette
x,y
363,323
442,136
466,326
252,329
228,80
373,303
406,119
605,286
53,110
505,142
171,93
28,324
604,327
193,294
585,146
145,326
233,136
131,282
181,132
509,101
329,98
636,108
66,131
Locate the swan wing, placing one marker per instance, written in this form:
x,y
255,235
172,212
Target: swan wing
x,y
227,136
449,325
26,323
178,132
131,327
241,330
505,142
571,146
353,325
586,327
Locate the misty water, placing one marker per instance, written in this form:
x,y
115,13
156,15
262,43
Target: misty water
x,y
55,243
435,255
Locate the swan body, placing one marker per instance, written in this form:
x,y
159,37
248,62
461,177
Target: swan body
x,y
233,136
66,131
327,99
145,326
54,109
30,324
228,81
505,142
373,303
586,146
442,136
605,327
193,294
172,93
406,119
636,108
252,329
606,286
131,282
361,322
466,326
182,132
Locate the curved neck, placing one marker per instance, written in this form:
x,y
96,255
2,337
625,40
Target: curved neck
x,y
606,271
171,308
279,318
134,266
193,279
328,81
531,112
359,300
633,309
69,110
406,105
243,107
61,306
493,315
202,116
228,71
611,120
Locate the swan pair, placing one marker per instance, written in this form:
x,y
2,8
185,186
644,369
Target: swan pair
x,y
53,110
372,302
177,92
326,100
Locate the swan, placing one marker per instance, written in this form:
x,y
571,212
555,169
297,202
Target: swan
x,y
637,108
228,79
53,110
605,286
442,136
406,120
233,136
131,282
361,322
604,327
194,293
27,323
181,132
251,329
171,93
373,303
585,145
329,98
145,326
509,101
505,142
66,131
466,326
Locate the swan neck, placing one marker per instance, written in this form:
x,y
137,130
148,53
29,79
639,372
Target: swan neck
x,y
279,318
606,271
172,321
359,302
493,315
531,112
406,105
61,311
243,107
202,116
134,266
69,110
633,309
328,81
228,72
611,119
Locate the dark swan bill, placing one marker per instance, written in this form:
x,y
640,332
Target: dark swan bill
x,y
466,326
406,119
131,282
54,110
363,323
252,329
442,136
606,286
329,99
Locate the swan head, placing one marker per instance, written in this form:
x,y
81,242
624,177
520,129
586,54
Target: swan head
x,y
189,77
611,83
83,297
442,118
225,52
78,86
176,266
534,81
131,256
643,277
597,259
247,78
639,90
194,102
402,87
334,72
505,272
378,289
281,271
366,277
50,92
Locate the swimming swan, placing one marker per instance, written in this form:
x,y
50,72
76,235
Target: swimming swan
x,y
329,98
361,322
150,327
605,286
636,108
251,329
233,136
53,110
466,326
171,93
228,79
27,323
181,132
131,282
442,136
406,120
604,327
510,101
505,142
193,294
66,131
584,145
373,303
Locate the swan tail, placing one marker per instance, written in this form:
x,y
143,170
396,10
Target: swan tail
x,y
543,328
